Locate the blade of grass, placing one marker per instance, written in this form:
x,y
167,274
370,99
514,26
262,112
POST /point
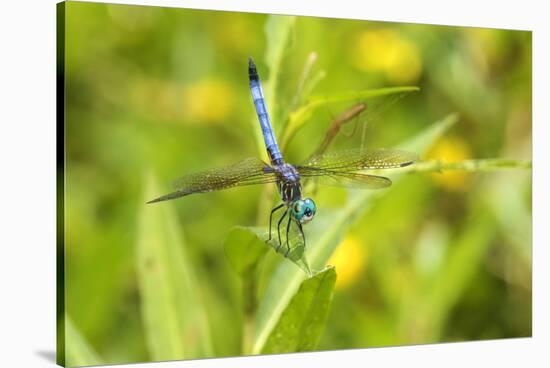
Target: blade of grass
x,y
312,82
176,325
303,321
300,88
325,233
455,273
78,350
244,251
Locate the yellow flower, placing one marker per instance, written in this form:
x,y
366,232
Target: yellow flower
x,y
450,149
349,259
209,100
383,50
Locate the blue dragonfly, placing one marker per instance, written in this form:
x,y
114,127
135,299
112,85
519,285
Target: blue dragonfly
x,y
337,168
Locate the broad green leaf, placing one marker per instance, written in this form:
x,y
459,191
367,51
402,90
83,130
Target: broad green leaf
x,y
303,321
325,233
78,351
299,117
246,245
244,249
175,321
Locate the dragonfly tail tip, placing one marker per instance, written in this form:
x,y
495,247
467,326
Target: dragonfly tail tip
x,y
252,72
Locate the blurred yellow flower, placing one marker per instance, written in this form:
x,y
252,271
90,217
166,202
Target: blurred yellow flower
x,y
383,50
208,100
349,259
450,149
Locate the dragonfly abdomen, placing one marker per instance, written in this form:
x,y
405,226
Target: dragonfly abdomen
x,y
261,110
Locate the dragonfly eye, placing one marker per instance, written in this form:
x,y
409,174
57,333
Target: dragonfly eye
x,y
303,210
297,210
309,211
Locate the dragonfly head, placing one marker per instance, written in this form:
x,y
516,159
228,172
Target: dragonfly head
x,y
303,210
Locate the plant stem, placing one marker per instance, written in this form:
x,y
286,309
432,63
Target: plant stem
x,y
488,164
311,59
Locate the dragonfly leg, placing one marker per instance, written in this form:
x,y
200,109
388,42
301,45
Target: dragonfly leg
x,y
279,228
287,229
302,232
271,218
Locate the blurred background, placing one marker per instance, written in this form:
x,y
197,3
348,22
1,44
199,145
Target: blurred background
x,y
160,92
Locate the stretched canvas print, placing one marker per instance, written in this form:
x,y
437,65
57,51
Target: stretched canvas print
x,y
235,184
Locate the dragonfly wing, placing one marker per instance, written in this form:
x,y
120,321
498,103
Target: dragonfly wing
x,y
345,179
246,172
359,159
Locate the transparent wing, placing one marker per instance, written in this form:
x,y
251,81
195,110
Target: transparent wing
x,y
344,179
246,172
358,159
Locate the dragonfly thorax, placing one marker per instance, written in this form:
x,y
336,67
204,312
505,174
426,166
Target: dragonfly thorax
x,y
288,182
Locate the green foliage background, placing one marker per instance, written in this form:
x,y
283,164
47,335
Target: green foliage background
x,y
154,93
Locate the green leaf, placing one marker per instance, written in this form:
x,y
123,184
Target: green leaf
x,y
78,350
244,249
302,322
176,324
300,117
246,245
325,233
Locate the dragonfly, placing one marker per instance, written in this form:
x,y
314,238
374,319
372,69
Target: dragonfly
x,y
340,168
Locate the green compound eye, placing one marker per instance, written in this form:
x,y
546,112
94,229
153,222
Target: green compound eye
x,y
303,211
